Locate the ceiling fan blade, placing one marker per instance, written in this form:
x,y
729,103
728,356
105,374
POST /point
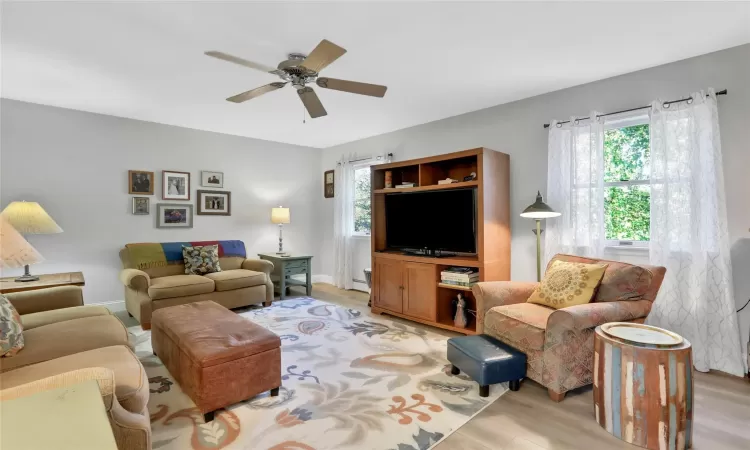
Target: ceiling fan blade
x,y
324,54
242,62
373,90
311,102
257,92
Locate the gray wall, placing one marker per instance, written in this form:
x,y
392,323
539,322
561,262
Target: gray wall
x,y
516,128
76,163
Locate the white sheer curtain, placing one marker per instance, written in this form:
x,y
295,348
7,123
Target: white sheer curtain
x,y
343,223
575,177
689,233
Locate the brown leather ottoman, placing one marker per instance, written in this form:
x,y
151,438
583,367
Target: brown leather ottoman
x,y
217,357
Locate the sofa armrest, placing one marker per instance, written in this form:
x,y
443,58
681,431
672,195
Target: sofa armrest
x,y
104,377
497,293
258,265
46,299
135,279
590,315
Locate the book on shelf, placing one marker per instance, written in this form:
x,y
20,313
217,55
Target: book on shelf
x,y
405,185
447,181
461,274
459,283
466,279
456,269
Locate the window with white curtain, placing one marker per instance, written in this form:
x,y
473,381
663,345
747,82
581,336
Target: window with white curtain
x,y
627,185
362,211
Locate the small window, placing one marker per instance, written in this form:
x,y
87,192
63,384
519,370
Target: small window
x,y
362,210
627,188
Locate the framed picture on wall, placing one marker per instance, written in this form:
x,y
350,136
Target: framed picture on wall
x,y
141,206
212,179
328,184
214,203
140,182
175,185
169,215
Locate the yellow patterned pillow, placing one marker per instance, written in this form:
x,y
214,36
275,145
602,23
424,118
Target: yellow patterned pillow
x,y
568,284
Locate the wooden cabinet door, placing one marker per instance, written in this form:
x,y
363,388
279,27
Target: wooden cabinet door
x,y
420,290
389,284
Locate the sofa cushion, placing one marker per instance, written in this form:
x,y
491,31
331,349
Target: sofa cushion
x,y
131,386
179,286
621,281
11,329
567,284
66,338
201,259
229,280
522,325
43,318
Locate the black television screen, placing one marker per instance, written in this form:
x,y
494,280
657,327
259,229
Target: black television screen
x,y
437,220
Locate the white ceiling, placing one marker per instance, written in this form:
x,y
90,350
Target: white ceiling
x,y
145,60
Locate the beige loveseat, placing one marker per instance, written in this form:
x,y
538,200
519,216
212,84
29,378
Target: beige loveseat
x,y
67,343
241,282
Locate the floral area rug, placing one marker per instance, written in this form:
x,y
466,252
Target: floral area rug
x,y
349,382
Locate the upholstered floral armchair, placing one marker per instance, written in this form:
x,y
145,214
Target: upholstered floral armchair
x,y
559,343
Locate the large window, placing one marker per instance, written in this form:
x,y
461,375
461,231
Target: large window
x,y
627,191
362,211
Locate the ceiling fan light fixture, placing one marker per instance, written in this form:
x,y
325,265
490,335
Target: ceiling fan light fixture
x,y
299,70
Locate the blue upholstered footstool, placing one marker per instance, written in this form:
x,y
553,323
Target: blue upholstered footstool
x,y
487,361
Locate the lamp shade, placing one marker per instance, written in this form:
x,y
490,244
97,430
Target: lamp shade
x,y
15,251
539,209
30,218
280,215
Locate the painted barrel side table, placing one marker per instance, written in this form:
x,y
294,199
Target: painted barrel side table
x,y
643,385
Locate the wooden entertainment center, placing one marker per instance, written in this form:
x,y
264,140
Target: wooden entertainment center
x,y
408,286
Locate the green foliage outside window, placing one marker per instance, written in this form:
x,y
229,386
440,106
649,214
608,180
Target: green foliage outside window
x,y
627,209
362,211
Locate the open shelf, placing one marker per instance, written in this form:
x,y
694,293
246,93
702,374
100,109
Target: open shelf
x,y
468,261
454,287
431,187
448,325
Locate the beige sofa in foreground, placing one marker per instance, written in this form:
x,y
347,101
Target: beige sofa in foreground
x,y
241,282
67,343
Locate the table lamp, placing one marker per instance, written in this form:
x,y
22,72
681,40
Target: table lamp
x,y
538,211
280,216
15,251
29,218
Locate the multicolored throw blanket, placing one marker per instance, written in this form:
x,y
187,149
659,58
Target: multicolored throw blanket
x,y
157,254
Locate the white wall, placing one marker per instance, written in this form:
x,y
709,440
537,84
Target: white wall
x,y
516,128
75,164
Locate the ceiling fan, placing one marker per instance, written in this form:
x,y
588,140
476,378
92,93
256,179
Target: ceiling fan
x,y
301,70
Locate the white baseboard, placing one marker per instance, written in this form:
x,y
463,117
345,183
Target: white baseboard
x,y
328,279
320,278
115,306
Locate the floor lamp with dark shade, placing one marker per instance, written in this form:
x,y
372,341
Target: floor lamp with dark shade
x,y
538,211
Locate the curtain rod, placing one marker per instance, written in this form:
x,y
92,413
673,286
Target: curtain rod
x,y
722,92
365,159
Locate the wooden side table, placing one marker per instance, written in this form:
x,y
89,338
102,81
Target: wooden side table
x,y
284,267
643,390
9,285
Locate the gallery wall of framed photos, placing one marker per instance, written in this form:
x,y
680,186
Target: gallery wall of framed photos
x,y
175,186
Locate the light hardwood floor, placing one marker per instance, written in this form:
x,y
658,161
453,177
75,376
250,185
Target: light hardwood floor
x,y
528,420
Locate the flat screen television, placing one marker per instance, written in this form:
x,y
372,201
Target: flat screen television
x,y
442,220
